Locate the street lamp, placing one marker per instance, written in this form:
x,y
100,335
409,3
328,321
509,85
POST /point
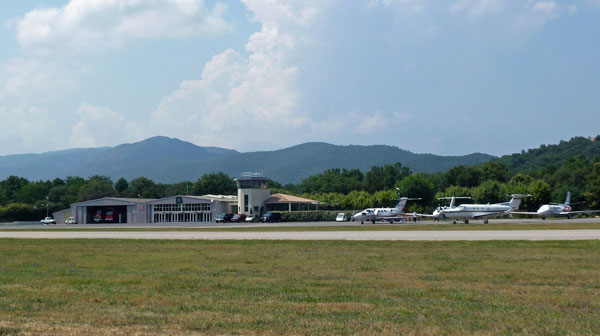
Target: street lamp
x,y
46,206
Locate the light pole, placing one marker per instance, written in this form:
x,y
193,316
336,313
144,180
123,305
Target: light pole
x,y
46,206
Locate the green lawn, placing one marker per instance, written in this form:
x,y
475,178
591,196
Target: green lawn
x,y
107,287
560,225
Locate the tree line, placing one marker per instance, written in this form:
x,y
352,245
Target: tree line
x,y
339,189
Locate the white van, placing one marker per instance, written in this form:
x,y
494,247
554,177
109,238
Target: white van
x,y
341,217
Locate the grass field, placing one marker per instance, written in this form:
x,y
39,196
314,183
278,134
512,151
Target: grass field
x,y
102,287
366,227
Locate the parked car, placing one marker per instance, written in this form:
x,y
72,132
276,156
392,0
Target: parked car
x,y
252,219
223,218
70,220
238,218
48,220
98,216
271,217
341,217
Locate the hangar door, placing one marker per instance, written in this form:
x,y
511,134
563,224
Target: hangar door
x,y
106,214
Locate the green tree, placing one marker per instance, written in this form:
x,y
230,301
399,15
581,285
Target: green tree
x,y
494,171
384,178
121,185
592,194
145,188
9,187
216,184
417,185
96,187
490,192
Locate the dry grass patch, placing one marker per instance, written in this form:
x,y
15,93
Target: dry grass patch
x,y
108,287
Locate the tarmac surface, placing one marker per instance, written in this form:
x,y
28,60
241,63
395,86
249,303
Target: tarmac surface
x,y
315,235
296,235
38,225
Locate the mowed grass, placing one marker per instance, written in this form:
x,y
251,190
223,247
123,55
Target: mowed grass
x,y
123,287
559,225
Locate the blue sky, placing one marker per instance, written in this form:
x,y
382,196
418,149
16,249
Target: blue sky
x,y
447,77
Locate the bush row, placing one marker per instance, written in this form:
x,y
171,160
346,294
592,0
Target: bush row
x,y
311,216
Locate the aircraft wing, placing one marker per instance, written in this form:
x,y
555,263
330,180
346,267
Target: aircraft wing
x,y
578,212
524,213
484,215
427,215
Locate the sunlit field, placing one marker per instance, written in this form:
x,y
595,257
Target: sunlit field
x,y
107,287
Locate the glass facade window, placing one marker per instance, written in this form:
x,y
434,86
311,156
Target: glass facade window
x,y
185,213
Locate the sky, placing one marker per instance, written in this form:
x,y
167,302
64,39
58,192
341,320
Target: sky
x,y
448,77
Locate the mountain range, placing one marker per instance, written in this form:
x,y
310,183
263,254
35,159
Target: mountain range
x,y
169,160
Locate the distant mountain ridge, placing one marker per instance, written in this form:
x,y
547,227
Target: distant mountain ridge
x,y
169,160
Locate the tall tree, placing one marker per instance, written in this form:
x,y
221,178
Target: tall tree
x,y
214,183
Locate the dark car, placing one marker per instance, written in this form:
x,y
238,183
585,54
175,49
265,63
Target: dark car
x,y
224,218
238,218
271,217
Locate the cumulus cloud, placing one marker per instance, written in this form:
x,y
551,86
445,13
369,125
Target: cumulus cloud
x,y
93,24
30,79
256,95
99,125
24,127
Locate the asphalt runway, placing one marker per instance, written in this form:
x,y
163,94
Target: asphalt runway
x,y
314,235
38,225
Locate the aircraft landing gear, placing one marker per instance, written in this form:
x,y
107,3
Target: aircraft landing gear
x,y
373,221
466,221
362,222
543,218
569,216
453,222
485,221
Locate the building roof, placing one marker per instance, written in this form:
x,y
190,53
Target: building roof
x,y
118,199
223,198
284,198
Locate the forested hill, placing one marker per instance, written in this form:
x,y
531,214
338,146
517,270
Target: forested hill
x,y
167,160
545,155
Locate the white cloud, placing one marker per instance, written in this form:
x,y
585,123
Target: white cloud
x,y
23,79
255,96
99,126
25,128
536,14
477,8
93,24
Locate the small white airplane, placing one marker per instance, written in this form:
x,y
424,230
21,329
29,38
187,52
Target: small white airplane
x,y
387,214
465,212
557,209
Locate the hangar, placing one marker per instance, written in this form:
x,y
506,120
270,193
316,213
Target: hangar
x,y
174,209
110,210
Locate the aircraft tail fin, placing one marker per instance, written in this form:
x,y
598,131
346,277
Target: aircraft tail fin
x,y
568,199
515,201
403,201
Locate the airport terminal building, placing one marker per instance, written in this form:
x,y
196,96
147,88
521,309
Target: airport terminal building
x,y
253,198
175,209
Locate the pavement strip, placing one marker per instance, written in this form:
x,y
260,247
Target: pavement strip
x,y
315,235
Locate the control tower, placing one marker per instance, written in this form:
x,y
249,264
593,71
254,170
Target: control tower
x,y
252,193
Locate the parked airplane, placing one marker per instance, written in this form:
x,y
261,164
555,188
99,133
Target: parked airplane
x,y
437,212
465,212
387,214
557,209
